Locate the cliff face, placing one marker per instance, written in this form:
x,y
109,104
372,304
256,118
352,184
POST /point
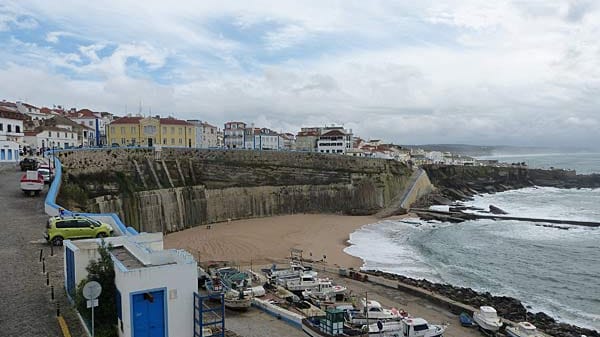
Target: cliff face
x,y
179,188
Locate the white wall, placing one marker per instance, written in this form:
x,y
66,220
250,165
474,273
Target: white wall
x,y
6,148
58,137
180,280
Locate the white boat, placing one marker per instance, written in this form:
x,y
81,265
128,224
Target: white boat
x,y
306,281
296,270
415,327
371,311
523,329
325,290
233,279
487,319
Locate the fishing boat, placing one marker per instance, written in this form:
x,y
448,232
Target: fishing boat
x,y
465,320
295,270
233,279
307,281
371,311
325,290
523,329
487,319
236,300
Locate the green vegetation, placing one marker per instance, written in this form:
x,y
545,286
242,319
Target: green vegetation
x,y
105,314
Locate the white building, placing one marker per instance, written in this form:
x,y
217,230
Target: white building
x,y
11,134
46,137
233,135
334,140
289,141
32,111
94,124
209,136
262,139
155,287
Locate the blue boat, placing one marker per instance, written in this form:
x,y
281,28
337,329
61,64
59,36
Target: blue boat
x,y
465,319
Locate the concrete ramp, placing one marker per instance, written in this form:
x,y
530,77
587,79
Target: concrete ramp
x,y
418,186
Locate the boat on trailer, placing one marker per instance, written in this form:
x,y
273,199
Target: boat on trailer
x,y
487,319
523,329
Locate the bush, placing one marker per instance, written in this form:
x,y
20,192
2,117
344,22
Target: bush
x,y
105,314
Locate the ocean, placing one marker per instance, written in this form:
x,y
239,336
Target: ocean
x,y
551,270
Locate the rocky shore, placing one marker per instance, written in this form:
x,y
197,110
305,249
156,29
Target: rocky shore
x,y
507,307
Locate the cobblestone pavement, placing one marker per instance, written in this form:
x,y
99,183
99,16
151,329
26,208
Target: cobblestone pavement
x,y
25,305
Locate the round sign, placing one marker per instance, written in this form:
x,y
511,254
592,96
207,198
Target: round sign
x,y
92,290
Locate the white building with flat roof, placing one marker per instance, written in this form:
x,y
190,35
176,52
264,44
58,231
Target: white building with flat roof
x,y
155,287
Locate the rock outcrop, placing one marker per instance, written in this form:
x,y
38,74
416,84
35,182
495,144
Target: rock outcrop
x,y
507,307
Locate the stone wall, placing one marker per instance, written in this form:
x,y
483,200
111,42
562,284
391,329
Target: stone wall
x,y
181,188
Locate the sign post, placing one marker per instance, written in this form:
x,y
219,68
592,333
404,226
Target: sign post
x,y
91,291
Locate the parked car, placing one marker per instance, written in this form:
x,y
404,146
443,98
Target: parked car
x,y
46,173
75,227
28,164
32,183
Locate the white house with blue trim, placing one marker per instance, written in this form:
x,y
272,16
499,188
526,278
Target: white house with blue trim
x,y
155,287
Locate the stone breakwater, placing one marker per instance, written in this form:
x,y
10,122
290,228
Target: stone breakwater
x,y
507,307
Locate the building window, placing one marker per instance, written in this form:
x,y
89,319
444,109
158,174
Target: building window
x,y
173,141
164,130
149,129
123,140
49,133
112,129
17,129
122,130
180,140
133,129
72,136
1,127
8,128
164,141
91,123
172,129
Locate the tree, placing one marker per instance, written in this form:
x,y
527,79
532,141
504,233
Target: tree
x,y
103,272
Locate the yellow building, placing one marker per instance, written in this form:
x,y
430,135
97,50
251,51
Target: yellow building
x,y
151,131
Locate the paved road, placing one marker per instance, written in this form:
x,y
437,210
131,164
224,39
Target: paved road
x,y
25,305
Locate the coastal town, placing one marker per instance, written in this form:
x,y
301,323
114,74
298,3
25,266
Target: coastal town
x,y
197,268
28,129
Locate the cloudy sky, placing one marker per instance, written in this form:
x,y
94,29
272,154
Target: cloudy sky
x,y
411,72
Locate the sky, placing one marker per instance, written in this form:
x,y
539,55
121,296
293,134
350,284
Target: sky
x,y
409,72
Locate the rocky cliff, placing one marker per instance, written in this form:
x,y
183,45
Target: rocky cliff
x,y
173,189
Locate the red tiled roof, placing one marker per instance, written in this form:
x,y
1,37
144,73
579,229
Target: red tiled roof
x,y
307,133
8,104
333,133
127,120
173,121
11,114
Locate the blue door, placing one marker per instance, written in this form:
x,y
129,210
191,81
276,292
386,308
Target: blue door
x,y
70,262
149,314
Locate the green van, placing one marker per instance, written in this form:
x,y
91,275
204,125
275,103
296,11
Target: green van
x,y
75,227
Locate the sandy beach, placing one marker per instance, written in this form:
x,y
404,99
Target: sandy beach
x,y
266,240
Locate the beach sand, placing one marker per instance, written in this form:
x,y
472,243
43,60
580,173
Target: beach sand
x,y
267,240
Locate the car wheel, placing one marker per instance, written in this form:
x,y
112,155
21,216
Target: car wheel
x,y
101,235
57,241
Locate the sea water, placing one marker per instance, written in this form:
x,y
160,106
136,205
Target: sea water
x,y
583,163
549,269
